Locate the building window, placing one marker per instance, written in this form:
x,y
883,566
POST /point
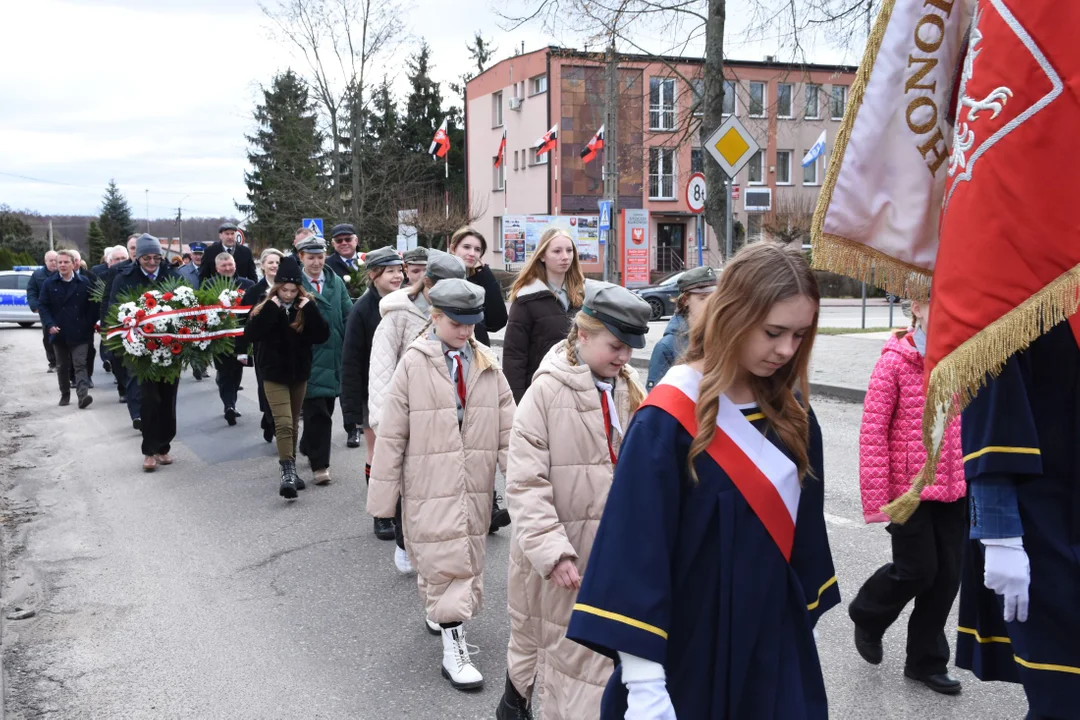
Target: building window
x,y
515,159
499,180
661,104
496,109
813,109
839,102
697,160
755,176
538,85
753,226
697,90
729,97
783,100
783,167
542,160
810,172
757,99
661,174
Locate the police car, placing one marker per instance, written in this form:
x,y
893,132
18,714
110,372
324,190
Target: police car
x,y
13,305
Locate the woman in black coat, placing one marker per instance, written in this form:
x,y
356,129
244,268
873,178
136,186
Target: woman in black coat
x,y
247,352
470,246
286,325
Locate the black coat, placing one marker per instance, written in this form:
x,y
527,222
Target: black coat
x,y
109,279
536,323
252,297
67,305
132,278
33,288
494,304
337,264
356,357
100,271
284,354
245,261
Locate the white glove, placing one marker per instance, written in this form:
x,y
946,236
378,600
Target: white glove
x,y
648,700
1007,572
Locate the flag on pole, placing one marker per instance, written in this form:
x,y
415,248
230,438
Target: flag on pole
x,y
441,144
816,151
547,143
500,156
596,144
877,214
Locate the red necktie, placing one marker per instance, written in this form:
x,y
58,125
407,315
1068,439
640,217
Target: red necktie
x,y
607,424
460,372
318,286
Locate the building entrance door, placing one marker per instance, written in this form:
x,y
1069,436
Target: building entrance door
x,y
670,247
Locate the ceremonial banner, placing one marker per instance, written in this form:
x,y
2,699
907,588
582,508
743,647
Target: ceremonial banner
x,y
879,206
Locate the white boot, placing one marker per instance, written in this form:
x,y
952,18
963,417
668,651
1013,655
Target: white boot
x,y
433,627
402,562
457,667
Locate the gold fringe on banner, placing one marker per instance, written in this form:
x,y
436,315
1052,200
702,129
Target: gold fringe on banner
x,y
959,376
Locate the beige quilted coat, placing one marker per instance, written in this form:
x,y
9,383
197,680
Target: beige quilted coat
x,y
402,322
444,476
557,483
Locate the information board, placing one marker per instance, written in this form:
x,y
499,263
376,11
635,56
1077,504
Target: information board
x,y
636,251
522,233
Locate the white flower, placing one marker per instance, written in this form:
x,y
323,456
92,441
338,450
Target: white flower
x,y
346,278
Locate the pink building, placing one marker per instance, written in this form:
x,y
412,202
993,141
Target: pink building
x,y
784,106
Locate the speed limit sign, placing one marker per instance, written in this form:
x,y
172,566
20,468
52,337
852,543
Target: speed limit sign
x,y
695,193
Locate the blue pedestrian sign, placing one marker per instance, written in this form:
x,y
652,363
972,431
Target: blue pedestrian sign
x,y
313,224
605,214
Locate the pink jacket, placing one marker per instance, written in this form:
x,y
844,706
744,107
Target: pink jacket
x,y
890,442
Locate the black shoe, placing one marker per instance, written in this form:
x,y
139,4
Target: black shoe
x,y
197,373
943,683
230,416
84,402
512,706
500,517
137,423
90,382
868,646
287,489
241,387
65,400
238,414
354,438
52,369
106,366
384,528
268,434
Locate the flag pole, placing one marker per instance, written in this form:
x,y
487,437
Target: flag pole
x,y
446,183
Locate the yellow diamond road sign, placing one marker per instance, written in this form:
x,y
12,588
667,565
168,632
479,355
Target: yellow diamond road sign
x,y
732,146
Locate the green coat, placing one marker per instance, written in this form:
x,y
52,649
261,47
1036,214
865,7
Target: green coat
x,y
334,304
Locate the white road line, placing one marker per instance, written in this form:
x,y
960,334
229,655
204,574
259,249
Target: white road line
x,y
837,520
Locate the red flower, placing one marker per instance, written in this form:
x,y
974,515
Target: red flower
x,y
168,340
202,319
176,349
150,301
151,345
167,297
140,314
185,331
149,329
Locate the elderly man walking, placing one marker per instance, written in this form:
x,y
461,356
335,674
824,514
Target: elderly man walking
x,y
68,314
33,291
245,261
230,371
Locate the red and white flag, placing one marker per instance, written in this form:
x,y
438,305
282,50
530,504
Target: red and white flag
x,y
441,144
588,153
501,155
547,143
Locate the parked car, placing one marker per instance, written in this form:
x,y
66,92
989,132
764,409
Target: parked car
x,y
13,305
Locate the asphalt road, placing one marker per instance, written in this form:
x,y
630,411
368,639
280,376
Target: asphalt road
x,y
195,592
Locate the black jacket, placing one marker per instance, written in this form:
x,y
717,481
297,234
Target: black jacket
x,y
245,261
67,305
252,297
109,279
33,288
336,263
132,278
356,357
100,271
494,304
284,354
536,323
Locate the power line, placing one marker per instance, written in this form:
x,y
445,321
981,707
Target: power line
x,y
95,187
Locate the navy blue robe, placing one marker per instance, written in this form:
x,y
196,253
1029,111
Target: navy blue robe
x,y
1025,425
687,575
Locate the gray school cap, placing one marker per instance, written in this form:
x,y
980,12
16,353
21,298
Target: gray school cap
x,y
314,245
699,279
382,257
623,313
416,256
460,300
444,266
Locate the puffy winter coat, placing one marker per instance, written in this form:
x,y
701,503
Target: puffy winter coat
x,y
444,476
334,304
557,483
667,351
537,322
890,441
401,323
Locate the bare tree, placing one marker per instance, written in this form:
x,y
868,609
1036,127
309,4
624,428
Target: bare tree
x,y
791,216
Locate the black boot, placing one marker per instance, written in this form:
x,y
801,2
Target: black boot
x,y
354,438
384,528
512,706
500,517
288,485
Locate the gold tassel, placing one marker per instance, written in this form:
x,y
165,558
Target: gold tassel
x,y
847,257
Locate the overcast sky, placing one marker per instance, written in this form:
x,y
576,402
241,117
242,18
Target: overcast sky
x,y
158,94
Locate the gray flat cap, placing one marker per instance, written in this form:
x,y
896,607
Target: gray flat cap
x,y
314,245
700,278
461,300
416,256
342,229
444,266
147,245
382,257
227,226
623,313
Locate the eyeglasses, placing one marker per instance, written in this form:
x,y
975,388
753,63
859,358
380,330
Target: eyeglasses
x,y
342,238
151,258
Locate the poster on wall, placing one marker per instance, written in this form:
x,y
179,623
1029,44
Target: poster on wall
x,y
588,238
522,233
514,239
636,262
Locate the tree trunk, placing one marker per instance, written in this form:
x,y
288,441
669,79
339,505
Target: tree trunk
x,y
715,179
357,164
335,157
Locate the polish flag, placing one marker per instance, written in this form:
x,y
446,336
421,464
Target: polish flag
x,y
501,156
547,143
441,144
588,154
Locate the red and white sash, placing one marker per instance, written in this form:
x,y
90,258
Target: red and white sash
x,y
766,477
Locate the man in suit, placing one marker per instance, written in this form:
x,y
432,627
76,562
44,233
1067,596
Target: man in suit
x,y
245,261
230,371
345,260
33,290
68,314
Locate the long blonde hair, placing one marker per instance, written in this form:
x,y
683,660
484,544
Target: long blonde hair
x,y
592,327
534,269
761,275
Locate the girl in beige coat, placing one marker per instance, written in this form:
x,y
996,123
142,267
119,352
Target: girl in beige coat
x,y
445,426
563,450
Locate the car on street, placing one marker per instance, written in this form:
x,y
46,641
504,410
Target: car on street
x,y
13,304
661,296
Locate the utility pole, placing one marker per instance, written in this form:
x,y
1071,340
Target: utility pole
x,y
611,159
180,226
51,247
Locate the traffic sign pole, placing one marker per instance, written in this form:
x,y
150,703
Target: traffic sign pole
x,y
728,224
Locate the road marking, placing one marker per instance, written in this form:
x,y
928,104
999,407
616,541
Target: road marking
x,y
837,520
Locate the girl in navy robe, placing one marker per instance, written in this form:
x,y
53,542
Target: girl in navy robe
x,y
711,564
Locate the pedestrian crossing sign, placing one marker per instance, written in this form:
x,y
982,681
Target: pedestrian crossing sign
x,y
605,214
314,224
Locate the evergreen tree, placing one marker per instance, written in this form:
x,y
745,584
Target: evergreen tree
x,y
95,240
423,107
116,223
288,180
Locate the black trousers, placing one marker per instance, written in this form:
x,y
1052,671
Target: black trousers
x,y
318,427
72,360
50,351
399,533
158,416
230,374
927,552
